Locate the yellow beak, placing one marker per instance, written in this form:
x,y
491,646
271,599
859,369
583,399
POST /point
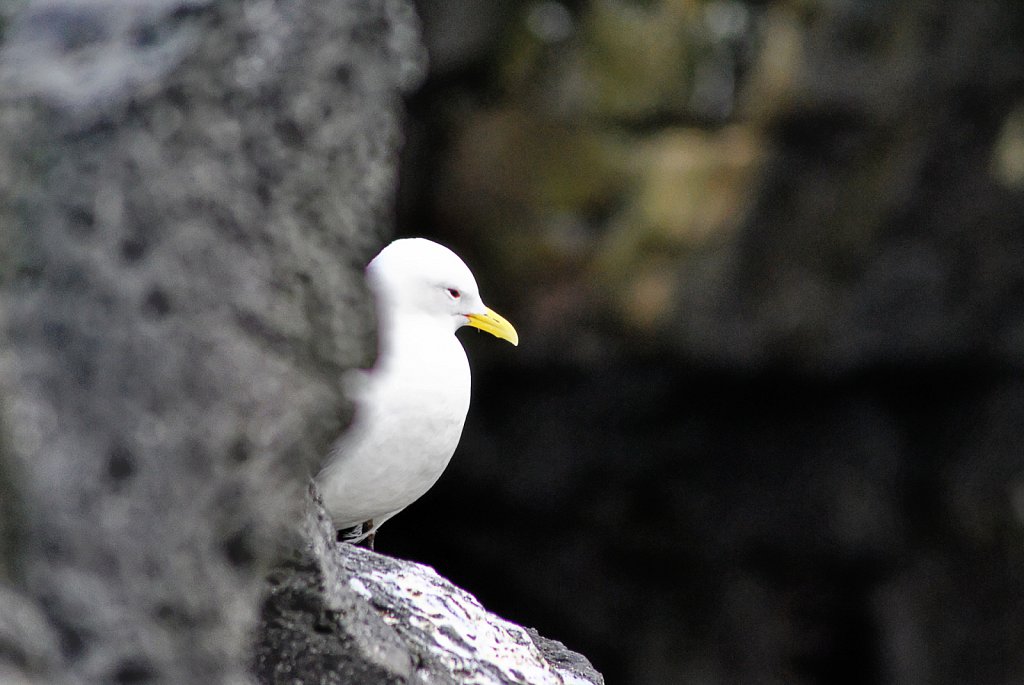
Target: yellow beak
x,y
495,324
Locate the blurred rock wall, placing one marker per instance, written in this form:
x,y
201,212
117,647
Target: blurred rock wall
x,y
189,193
767,263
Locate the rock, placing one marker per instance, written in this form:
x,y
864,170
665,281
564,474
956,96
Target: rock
x,y
188,193
344,614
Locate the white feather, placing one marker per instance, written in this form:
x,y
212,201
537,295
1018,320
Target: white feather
x,y
412,405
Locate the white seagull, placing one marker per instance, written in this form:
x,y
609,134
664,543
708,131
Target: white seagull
x,y
410,407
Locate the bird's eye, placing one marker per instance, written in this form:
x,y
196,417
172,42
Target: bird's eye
x,y
453,293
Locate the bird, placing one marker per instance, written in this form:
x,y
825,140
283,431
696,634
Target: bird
x,y
412,404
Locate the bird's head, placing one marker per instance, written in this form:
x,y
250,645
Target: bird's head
x,y
415,277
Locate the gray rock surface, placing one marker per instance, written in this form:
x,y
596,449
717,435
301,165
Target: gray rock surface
x,y
344,614
188,192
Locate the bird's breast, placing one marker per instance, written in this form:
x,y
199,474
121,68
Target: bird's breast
x,y
430,389
408,423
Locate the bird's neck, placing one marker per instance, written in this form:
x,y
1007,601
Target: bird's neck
x,y
420,341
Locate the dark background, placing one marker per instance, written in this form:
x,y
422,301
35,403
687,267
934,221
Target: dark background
x,y
767,264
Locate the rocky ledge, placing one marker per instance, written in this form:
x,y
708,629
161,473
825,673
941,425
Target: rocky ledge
x,y
337,613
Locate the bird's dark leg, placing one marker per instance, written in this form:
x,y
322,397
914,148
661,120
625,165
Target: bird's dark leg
x,y
367,542
349,534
